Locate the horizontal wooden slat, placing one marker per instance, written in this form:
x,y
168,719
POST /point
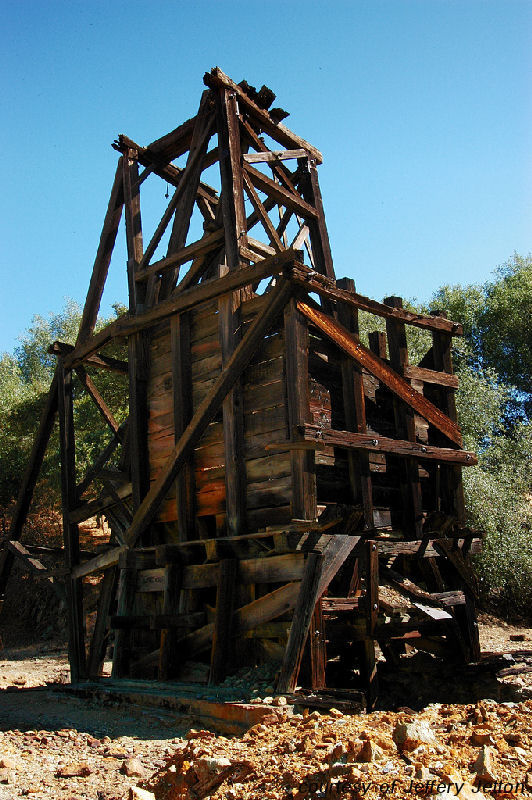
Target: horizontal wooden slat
x,y
271,156
373,442
326,288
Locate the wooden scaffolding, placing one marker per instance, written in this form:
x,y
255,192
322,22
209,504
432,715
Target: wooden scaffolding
x,y
276,474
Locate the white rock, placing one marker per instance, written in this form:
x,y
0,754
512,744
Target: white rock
x,y
135,793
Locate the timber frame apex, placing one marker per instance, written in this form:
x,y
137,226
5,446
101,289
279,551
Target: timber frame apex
x,y
278,469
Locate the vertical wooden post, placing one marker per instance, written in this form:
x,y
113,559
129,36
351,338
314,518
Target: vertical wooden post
x,y
74,587
234,220
319,236
101,629
303,612
371,605
355,412
222,644
318,651
451,485
182,389
169,656
406,427
127,583
304,500
138,343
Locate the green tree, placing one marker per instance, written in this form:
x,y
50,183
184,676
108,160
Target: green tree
x,y
25,378
494,363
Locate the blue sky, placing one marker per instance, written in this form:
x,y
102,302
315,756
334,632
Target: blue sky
x,y
422,109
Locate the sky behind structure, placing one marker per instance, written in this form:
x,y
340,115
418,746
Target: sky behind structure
x,y
421,108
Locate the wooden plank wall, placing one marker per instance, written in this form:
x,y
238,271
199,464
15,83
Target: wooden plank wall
x,y
265,420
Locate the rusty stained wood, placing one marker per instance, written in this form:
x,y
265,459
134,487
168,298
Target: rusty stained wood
x,y
340,336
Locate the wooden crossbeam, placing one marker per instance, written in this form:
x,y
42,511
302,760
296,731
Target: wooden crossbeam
x,y
279,193
276,130
306,602
341,337
272,156
173,144
97,360
35,566
89,385
267,224
189,185
208,409
325,287
329,437
167,172
183,301
102,458
277,167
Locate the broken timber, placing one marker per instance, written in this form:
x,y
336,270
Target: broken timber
x,y
276,474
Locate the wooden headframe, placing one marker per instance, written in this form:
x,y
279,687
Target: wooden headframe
x,y
268,181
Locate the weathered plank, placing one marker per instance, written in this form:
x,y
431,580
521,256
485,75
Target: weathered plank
x,y
306,602
208,409
373,442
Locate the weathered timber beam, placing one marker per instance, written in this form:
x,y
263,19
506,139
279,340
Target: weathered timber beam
x,y
183,301
271,569
261,212
93,507
422,548
90,387
341,337
164,170
35,566
103,258
101,459
173,144
327,437
277,131
209,407
430,376
314,282
96,360
246,618
103,561
190,182
184,254
29,479
306,602
273,156
256,250
279,193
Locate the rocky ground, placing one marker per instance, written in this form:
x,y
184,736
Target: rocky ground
x,y
54,745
